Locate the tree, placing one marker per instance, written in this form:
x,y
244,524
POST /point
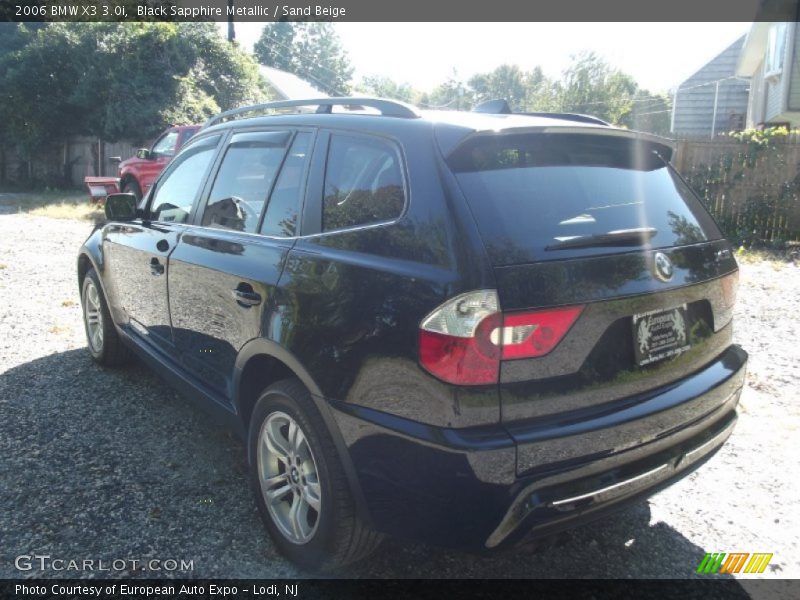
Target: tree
x,y
652,113
37,82
116,81
506,81
383,87
154,74
591,86
310,50
453,94
542,92
13,37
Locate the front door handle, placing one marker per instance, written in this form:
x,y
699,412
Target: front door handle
x,y
156,268
245,296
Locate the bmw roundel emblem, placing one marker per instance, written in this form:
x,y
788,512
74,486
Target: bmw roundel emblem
x,y
663,267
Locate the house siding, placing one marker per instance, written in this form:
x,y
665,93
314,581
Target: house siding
x,y
794,71
777,99
694,101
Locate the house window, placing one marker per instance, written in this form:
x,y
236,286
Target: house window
x,y
776,48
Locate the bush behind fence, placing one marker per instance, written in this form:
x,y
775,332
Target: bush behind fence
x,y
749,181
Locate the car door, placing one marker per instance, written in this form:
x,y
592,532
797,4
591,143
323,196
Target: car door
x,y
225,269
136,253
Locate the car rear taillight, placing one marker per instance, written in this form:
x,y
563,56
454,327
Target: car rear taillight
x,y
730,283
454,340
464,340
532,334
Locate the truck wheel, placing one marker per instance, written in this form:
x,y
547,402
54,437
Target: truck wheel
x,y
131,187
300,485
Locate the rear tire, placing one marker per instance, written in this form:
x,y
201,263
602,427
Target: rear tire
x,y
293,458
131,187
102,338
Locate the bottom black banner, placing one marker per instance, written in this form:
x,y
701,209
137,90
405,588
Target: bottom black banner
x,y
407,589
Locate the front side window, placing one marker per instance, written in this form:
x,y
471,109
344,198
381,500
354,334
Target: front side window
x,y
176,191
363,183
166,145
244,180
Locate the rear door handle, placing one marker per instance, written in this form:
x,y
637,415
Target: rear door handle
x,y
156,268
245,296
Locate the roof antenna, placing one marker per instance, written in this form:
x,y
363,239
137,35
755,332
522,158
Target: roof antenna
x,y
493,107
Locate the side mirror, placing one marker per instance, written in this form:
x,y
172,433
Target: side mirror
x,y
120,207
144,154
115,159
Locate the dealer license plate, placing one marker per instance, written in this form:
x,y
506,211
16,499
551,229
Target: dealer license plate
x,y
659,334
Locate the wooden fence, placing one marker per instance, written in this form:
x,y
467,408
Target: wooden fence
x,y
752,190
66,163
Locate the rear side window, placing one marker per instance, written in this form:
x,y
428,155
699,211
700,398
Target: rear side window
x,y
363,183
284,202
244,180
531,193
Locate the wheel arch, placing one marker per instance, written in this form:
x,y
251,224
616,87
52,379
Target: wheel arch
x,y
262,362
90,256
84,264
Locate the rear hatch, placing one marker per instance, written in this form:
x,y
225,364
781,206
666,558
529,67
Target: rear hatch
x,y
592,232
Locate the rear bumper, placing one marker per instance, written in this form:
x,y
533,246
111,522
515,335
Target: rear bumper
x,y
486,487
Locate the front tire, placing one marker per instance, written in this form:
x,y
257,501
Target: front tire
x,y
131,187
104,343
300,485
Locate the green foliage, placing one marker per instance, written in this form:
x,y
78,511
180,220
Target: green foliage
x,y
506,81
453,94
383,87
115,80
592,86
651,113
589,85
310,50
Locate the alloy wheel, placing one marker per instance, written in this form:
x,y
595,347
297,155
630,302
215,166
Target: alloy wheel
x,y
93,315
289,478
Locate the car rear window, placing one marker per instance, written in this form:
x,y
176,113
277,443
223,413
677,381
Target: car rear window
x,y
530,193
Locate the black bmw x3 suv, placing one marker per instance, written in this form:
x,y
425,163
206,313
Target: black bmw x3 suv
x,y
463,328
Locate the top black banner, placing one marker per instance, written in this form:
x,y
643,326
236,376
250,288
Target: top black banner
x,y
406,10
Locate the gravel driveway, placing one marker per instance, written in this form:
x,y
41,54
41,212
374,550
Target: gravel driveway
x,y
108,464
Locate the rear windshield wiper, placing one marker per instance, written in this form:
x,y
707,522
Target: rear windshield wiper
x,y
621,237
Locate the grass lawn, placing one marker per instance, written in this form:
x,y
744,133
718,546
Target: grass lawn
x,y
57,204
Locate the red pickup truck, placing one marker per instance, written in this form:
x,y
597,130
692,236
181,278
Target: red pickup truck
x,y
137,174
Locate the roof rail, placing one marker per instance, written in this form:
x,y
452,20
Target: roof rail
x,y
387,108
501,107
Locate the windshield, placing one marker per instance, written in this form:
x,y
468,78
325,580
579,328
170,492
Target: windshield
x,y
535,195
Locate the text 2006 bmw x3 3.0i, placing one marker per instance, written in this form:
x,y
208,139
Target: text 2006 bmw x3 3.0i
x,y
464,328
